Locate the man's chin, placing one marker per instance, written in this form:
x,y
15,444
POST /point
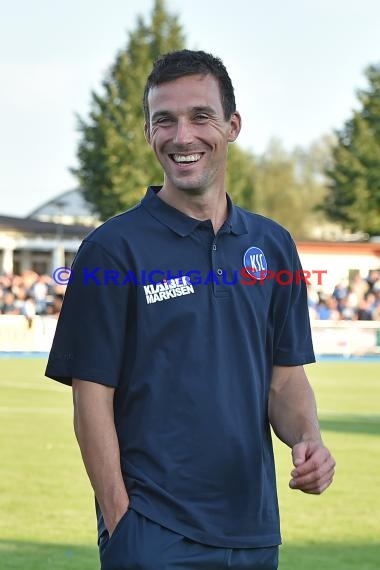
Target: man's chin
x,y
193,187
192,190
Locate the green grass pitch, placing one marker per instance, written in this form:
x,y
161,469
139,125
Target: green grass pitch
x,y
46,504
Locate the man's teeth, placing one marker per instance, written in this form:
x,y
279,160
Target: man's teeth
x,y
186,158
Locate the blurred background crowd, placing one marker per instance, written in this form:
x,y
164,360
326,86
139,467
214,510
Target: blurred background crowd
x,y
358,299
31,294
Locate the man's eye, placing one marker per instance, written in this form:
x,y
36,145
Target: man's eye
x,y
163,121
201,117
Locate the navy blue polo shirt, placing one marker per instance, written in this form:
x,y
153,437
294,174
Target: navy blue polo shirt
x,y
186,325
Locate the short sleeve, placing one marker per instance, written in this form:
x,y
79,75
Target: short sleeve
x,y
292,339
89,340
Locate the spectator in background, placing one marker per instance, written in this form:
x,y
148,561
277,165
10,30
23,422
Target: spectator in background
x,y
340,293
371,304
376,309
340,290
8,304
39,291
29,310
347,311
312,302
359,287
327,310
332,305
55,308
364,313
322,311
373,281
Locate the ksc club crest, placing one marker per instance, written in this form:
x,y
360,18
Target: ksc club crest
x,y
255,263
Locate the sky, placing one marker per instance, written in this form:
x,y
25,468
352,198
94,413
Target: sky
x,y
295,65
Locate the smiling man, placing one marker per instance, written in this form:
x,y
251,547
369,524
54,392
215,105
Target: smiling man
x,y
176,383
189,134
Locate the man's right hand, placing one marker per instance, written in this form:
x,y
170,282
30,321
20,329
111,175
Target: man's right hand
x,y
96,434
112,521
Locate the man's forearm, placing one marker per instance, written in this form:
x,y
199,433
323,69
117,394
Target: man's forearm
x,y
96,434
293,416
292,408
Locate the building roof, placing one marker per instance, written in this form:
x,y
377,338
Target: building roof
x,y
70,203
31,226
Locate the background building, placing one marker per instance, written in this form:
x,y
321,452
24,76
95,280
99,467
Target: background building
x,y
48,238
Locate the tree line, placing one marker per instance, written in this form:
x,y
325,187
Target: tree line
x,y
336,180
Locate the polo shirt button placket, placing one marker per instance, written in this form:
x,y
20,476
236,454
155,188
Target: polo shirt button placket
x,y
219,289
213,250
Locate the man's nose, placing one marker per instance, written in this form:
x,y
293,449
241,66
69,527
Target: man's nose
x,y
184,132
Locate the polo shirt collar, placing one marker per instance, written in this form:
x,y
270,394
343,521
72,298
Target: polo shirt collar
x,y
184,225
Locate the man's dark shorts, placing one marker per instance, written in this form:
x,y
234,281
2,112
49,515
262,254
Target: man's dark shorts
x,y
139,543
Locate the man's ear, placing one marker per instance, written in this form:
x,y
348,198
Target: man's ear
x,y
235,126
147,133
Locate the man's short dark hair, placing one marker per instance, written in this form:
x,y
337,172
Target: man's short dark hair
x,y
176,64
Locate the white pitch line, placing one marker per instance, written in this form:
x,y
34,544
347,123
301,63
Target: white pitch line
x,y
348,416
32,410
44,385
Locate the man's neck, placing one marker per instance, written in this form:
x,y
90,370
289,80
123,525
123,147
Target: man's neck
x,y
209,206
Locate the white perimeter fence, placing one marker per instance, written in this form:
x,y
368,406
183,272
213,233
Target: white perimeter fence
x,y
347,338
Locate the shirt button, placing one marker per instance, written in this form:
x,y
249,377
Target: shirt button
x,y
219,271
214,247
